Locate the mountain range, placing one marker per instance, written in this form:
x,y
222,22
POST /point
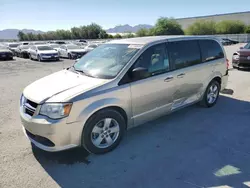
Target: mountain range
x,y
128,28
12,33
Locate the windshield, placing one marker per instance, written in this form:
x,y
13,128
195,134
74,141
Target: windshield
x,y
73,47
13,45
106,61
24,47
247,46
41,48
55,46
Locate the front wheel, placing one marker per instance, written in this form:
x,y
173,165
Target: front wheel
x,y
103,131
211,94
39,58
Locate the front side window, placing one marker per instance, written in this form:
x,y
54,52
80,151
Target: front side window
x,y
155,59
106,61
184,53
210,50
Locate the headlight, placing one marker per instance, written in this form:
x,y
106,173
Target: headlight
x,y
236,57
21,100
55,110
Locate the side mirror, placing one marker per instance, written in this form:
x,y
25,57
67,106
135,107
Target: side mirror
x,y
139,73
241,48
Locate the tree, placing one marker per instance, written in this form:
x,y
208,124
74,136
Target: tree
x,y
230,27
247,29
110,36
129,35
202,27
103,35
21,36
167,26
117,36
142,32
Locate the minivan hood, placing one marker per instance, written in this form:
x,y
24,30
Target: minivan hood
x,y
57,84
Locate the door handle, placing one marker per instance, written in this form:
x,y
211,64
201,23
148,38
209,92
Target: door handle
x,y
168,79
181,75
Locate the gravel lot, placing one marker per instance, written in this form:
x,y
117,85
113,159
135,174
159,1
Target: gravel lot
x,y
194,147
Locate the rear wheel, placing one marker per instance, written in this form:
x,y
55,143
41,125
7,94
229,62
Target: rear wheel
x,y
69,56
103,131
211,94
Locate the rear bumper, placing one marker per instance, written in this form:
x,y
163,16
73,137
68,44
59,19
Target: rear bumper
x,y
224,81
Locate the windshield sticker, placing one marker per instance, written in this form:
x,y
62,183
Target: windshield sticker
x,y
137,46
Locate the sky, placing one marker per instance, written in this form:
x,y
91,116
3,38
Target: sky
x,y
47,15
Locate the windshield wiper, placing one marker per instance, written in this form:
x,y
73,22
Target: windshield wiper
x,y
81,71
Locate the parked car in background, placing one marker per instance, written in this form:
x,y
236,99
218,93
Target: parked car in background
x,y
241,58
22,51
90,47
12,46
24,43
57,42
55,46
37,43
120,85
5,53
230,42
71,51
43,52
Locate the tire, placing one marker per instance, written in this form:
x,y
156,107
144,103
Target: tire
x,y
112,118
39,58
69,56
206,101
30,57
235,67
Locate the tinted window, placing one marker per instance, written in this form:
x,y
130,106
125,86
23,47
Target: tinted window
x,y
155,59
184,53
210,50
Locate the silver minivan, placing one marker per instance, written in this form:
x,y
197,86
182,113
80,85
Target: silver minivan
x,y
119,85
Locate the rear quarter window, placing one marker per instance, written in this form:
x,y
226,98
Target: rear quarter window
x,y
210,50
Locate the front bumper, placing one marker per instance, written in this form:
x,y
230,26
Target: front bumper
x,y
241,63
49,57
50,135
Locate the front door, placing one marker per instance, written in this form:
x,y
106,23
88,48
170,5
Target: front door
x,y
153,96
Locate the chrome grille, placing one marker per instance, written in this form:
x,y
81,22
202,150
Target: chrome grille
x,y
29,107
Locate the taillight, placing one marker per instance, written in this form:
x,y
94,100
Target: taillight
x,y
227,61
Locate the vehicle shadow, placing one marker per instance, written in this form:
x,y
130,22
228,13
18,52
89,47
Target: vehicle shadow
x,y
194,147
